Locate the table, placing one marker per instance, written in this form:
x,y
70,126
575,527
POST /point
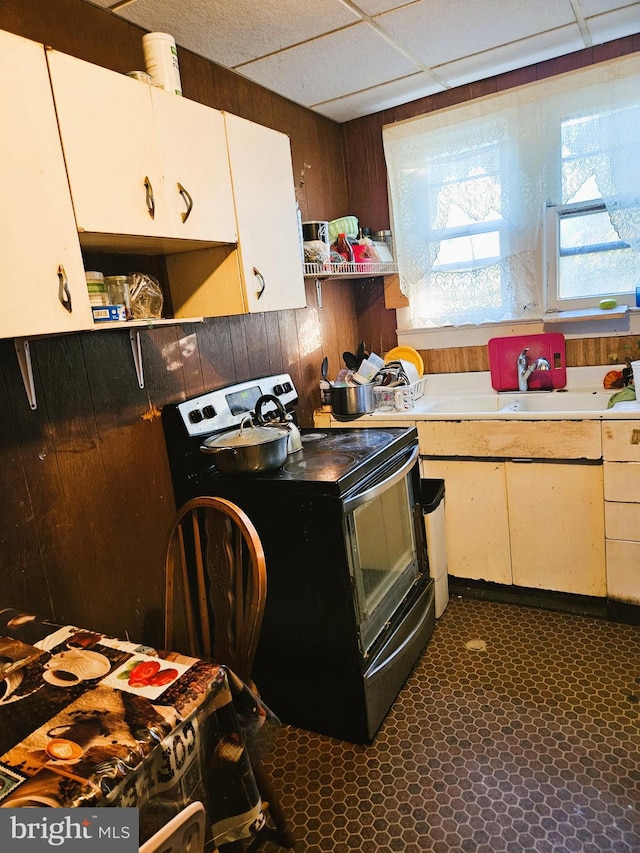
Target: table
x,y
90,720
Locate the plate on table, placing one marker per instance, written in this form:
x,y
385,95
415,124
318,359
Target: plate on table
x,y
406,354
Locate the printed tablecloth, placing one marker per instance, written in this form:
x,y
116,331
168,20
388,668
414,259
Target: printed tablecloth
x,y
90,720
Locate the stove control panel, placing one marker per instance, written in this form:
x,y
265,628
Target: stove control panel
x,y
216,411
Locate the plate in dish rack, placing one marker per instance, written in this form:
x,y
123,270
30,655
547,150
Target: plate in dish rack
x,y
406,354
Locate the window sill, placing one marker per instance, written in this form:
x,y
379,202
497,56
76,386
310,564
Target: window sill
x,y
585,314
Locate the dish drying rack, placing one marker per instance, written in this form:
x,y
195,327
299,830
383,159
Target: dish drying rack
x,y
400,398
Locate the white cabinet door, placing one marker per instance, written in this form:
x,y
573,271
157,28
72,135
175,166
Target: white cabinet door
x,y
139,159
264,196
556,520
195,164
106,126
476,518
41,261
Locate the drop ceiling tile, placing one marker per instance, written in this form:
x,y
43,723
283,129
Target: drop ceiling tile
x,y
436,32
331,66
377,7
615,24
232,32
508,57
598,7
381,97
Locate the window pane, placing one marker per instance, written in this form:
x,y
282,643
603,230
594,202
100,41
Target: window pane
x,y
593,261
459,252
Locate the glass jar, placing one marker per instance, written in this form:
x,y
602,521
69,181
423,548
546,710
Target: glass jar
x,y
118,292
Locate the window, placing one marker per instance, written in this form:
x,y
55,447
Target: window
x,y
528,201
586,257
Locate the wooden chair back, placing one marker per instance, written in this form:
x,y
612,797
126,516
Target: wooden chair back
x,y
215,584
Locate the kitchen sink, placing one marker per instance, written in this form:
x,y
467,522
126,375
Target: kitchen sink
x,y
536,403
555,401
464,404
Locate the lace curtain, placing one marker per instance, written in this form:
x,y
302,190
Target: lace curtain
x,y
468,186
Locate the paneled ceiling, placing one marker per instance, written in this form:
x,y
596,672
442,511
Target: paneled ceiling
x,y
345,60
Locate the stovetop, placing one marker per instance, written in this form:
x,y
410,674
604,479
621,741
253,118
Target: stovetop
x,y
331,461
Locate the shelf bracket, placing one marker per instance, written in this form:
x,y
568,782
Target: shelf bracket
x,y
136,349
23,352
319,292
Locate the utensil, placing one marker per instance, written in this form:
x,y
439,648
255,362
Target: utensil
x,y
324,369
360,352
349,402
248,451
351,360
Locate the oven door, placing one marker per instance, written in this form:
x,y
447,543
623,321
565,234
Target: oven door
x,y
382,546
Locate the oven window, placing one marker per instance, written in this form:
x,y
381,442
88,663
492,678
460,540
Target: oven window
x,y
383,558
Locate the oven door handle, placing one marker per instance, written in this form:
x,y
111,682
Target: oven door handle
x,y
357,500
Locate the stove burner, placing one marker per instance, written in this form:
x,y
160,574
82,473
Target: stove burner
x,y
329,464
313,436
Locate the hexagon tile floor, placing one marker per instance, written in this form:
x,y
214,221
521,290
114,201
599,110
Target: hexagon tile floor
x,y
518,731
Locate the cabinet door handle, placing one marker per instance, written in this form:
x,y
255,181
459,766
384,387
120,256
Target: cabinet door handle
x,y
188,201
260,278
64,294
151,205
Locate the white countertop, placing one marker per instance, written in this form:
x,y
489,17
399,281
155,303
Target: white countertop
x,y
469,396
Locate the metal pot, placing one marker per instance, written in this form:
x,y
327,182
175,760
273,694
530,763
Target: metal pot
x,y
349,402
285,421
251,450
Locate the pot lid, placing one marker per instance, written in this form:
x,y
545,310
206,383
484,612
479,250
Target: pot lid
x,y
247,436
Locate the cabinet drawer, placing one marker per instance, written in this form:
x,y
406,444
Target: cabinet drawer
x,y
622,521
508,439
623,571
622,481
621,441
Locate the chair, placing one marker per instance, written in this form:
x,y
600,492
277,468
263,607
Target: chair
x,y
182,834
215,567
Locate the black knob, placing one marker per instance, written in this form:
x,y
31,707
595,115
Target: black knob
x,y
209,412
195,416
278,389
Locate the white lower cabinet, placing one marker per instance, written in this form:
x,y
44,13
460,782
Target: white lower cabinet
x,y
556,526
43,283
621,452
476,517
533,524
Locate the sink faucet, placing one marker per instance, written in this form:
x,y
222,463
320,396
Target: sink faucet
x,y
526,368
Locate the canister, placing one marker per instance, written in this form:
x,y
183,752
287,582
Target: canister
x,y
161,60
316,244
96,287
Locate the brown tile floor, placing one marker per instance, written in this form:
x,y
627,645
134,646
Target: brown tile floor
x,y
519,730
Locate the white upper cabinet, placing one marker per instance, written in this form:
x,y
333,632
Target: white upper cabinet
x,y
42,279
141,163
265,202
196,173
265,272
